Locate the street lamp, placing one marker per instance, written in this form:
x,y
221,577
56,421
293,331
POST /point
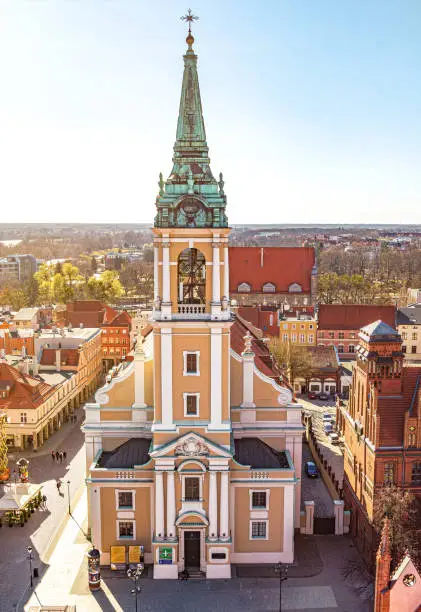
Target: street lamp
x,y
30,557
134,573
68,494
282,571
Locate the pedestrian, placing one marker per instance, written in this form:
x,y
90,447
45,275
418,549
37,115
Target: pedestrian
x,y
57,456
44,502
58,486
53,455
64,455
61,456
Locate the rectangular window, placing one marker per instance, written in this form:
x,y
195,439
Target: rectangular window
x,y
310,338
404,336
284,325
126,530
302,338
351,348
341,335
416,473
191,363
331,335
302,326
413,349
310,326
191,404
403,348
191,489
23,417
414,336
258,499
218,555
294,338
258,530
285,337
125,499
293,326
389,473
321,334
340,348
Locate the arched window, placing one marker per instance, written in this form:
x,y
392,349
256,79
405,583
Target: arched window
x,y
191,277
295,288
243,288
269,288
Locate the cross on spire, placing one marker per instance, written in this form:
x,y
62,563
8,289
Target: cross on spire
x,y
189,18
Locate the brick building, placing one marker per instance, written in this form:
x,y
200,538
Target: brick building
x,y
116,326
325,372
381,427
16,341
398,590
273,275
339,324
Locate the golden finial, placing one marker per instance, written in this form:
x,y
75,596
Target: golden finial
x,y
189,18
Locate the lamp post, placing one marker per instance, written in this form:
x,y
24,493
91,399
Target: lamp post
x,y
30,557
68,494
282,571
134,573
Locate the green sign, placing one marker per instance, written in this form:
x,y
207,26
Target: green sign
x,y
165,555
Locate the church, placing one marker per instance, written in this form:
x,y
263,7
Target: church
x,y
194,447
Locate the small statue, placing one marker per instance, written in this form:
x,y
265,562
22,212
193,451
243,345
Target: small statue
x,y
161,184
221,184
181,217
190,182
200,218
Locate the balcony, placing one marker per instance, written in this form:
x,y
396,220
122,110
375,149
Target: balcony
x,y
192,309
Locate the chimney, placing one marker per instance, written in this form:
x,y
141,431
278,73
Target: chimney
x,y
25,366
81,325
58,359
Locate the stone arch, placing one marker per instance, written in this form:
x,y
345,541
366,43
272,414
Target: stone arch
x,y
191,277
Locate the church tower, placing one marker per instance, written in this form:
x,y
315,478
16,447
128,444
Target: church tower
x,y
191,319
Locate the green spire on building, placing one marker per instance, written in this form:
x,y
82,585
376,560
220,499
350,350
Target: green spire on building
x,y
191,196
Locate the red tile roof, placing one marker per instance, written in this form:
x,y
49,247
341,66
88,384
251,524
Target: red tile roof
x,y
93,313
263,359
281,266
25,391
353,316
264,320
69,357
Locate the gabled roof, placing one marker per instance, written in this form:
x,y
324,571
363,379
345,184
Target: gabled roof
x,y
68,357
133,452
323,357
25,391
257,454
282,266
353,316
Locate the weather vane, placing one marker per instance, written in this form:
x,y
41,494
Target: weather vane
x,y
190,18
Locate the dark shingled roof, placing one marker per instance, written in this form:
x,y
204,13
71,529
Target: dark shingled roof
x,y
133,452
258,454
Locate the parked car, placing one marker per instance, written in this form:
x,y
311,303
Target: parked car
x,y
334,438
327,417
312,395
327,427
311,470
323,396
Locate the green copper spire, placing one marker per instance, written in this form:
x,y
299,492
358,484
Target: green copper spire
x,y
191,197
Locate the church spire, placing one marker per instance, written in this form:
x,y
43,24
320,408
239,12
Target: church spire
x,y
191,178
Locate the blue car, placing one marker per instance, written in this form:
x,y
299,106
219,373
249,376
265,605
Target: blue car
x,y
311,470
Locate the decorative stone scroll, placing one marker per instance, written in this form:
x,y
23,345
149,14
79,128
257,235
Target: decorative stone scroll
x,y
191,448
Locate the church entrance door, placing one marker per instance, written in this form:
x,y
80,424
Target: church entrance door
x,y
192,549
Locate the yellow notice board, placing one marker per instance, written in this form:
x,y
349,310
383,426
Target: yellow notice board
x,y
136,554
118,554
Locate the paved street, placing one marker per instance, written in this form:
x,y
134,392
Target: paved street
x,y
314,489
331,453
316,581
41,528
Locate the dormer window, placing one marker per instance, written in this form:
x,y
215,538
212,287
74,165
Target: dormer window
x,y
243,288
295,288
269,288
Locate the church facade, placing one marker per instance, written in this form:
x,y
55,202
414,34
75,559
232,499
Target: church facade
x,y
194,447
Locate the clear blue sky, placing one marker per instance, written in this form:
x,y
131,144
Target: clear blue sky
x,y
312,107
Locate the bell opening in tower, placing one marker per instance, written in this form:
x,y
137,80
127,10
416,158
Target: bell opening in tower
x,y
191,277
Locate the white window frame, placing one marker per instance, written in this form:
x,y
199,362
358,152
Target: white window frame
x,y
197,353
302,338
185,395
243,288
123,508
269,288
183,488
251,529
123,538
285,337
294,338
257,508
311,338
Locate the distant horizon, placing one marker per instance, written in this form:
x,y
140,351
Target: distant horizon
x,y
311,109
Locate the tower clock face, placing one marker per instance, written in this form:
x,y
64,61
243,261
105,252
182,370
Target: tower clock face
x,y
409,580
